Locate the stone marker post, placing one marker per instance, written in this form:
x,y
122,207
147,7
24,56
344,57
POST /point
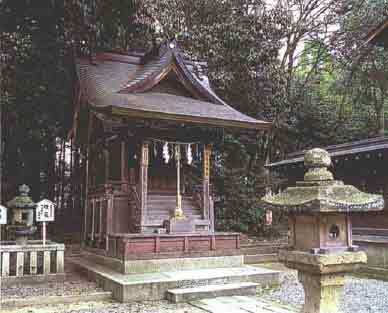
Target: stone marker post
x,y
321,246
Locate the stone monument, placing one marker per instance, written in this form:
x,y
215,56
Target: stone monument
x,y
320,227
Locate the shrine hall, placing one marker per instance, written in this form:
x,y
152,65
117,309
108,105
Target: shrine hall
x,y
147,122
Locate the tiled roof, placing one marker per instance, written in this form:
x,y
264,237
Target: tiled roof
x,y
362,146
124,83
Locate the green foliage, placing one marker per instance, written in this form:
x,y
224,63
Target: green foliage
x,y
332,92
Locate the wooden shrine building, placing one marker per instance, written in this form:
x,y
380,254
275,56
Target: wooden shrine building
x,y
359,163
148,121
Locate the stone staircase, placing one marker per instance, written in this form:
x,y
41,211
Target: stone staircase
x,y
160,206
180,284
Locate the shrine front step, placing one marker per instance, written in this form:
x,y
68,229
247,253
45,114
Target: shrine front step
x,y
211,291
154,286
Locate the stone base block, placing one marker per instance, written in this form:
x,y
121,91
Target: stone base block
x,y
211,291
322,292
179,225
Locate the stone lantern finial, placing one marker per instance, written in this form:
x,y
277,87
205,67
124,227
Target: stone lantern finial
x,y
317,161
24,190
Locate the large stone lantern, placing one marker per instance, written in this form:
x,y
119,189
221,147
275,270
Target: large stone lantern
x,y
321,246
22,215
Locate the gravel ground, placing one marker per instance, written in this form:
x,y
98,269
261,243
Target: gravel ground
x,y
360,295
74,285
109,307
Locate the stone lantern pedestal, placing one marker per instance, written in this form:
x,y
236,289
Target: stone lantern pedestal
x,y
321,246
322,276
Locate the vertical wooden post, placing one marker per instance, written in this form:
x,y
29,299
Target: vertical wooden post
x,y
90,127
178,213
109,219
33,263
124,166
19,263
44,233
46,262
93,217
100,222
60,261
144,180
5,264
206,180
106,159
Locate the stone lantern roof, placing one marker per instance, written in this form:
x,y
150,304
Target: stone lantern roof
x,y
23,200
319,192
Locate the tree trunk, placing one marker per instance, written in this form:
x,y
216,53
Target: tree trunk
x,y
380,121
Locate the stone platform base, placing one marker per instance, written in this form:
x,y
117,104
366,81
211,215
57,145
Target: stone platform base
x,y
163,265
153,286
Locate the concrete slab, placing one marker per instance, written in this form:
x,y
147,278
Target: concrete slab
x,y
211,291
153,286
241,304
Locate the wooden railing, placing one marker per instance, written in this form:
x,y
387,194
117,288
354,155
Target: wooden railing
x,y
100,202
32,259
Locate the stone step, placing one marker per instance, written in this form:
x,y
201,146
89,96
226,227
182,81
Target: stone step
x,y
168,199
153,286
152,218
211,291
261,258
167,196
164,207
155,211
261,250
242,304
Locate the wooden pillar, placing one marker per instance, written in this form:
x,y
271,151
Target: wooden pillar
x,y
100,230
106,159
33,263
109,219
206,181
46,262
60,261
178,213
19,263
144,180
93,212
124,166
5,264
90,127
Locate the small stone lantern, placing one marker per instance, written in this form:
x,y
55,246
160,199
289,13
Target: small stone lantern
x,y
22,215
321,246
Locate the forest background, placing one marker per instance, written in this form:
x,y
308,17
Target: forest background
x,y
302,64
